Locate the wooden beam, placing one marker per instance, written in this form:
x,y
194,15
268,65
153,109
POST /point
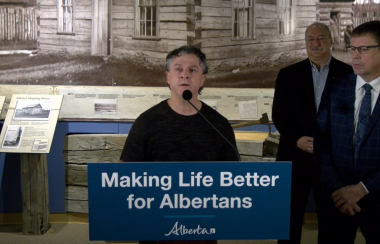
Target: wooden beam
x,y
35,194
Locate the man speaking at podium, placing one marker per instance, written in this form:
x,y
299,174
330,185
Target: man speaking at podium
x,y
181,128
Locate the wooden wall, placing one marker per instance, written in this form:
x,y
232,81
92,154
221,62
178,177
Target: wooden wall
x,y
79,41
267,47
207,24
345,15
174,29
18,24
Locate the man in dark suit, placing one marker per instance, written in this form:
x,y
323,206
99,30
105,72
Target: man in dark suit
x,y
347,145
297,95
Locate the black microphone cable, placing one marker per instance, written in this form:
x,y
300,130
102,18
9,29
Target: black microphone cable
x,y
187,95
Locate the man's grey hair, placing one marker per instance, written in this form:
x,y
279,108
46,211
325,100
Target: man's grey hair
x,y
319,24
187,50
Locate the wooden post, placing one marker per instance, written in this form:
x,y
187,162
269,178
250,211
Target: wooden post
x,y
35,194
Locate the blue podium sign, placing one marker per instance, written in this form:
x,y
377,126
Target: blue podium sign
x,y
189,201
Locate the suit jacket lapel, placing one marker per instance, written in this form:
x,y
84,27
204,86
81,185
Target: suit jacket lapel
x,y
349,103
373,119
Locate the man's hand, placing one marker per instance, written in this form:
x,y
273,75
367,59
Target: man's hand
x,y
346,198
305,143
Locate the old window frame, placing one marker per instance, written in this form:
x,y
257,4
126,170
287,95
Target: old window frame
x,y
65,19
243,27
148,21
286,14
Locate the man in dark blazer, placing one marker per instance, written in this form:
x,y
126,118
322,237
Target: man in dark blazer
x,y
297,95
347,145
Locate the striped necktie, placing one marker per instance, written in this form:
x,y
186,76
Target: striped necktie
x,y
364,114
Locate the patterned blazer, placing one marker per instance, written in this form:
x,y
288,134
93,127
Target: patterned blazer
x,y
334,145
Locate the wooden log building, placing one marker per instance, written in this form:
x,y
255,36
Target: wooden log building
x,y
238,32
343,10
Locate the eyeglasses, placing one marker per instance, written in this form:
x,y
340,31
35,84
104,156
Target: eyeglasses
x,y
361,49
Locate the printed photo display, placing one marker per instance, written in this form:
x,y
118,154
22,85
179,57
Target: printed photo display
x,y
30,123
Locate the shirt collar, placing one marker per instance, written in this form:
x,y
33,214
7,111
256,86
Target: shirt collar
x,y
374,83
326,66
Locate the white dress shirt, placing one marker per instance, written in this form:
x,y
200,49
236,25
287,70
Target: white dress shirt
x,y
359,95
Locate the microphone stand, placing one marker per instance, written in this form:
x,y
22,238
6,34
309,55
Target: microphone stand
x,y
187,95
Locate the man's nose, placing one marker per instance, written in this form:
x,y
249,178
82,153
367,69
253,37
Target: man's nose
x,y
185,74
316,42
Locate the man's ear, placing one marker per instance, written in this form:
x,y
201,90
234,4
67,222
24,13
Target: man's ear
x,y
203,79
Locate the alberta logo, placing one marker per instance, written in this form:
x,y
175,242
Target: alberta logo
x,y
181,230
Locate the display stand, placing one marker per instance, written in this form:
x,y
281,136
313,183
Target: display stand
x,y
35,194
28,130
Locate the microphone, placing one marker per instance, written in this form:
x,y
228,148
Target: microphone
x,y
187,95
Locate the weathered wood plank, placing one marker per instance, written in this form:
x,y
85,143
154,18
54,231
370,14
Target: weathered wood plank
x,y
266,15
123,24
216,23
172,17
214,3
306,9
75,206
44,22
147,45
123,2
154,55
172,2
216,33
49,15
76,193
47,2
176,34
85,142
335,5
173,26
251,50
304,22
76,175
123,15
60,40
253,148
267,1
173,9
305,14
306,2
266,23
83,15
266,7
47,48
87,3
262,36
216,12
35,194
122,9
100,156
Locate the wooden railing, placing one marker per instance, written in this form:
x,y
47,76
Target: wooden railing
x,y
360,20
18,24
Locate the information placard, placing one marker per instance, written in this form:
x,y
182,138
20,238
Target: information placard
x,y
30,123
189,201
